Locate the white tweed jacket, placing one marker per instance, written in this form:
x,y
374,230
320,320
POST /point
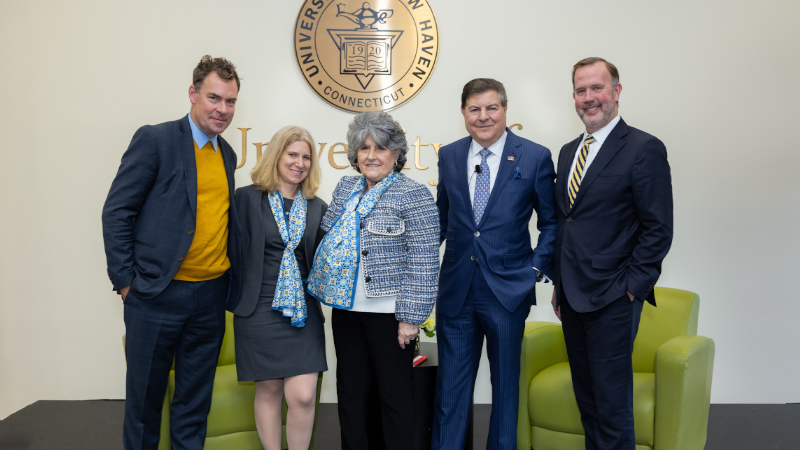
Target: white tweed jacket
x,y
399,245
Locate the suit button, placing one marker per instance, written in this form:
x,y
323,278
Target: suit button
x,y
477,233
472,257
367,279
365,252
569,219
180,259
191,231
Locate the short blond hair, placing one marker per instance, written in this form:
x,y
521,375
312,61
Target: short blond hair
x,y
265,174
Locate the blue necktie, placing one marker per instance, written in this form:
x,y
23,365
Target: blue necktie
x,y
481,189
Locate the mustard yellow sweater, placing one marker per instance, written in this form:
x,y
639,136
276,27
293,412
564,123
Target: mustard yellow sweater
x,y
208,256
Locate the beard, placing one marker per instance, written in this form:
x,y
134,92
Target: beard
x,y
607,112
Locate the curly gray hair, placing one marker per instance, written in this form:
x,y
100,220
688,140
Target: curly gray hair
x,y
384,130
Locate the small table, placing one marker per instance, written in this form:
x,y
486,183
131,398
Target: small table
x,y
424,379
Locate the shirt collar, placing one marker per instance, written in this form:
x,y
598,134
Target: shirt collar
x,y
496,148
601,135
199,137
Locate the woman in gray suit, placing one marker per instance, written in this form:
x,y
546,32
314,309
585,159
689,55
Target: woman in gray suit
x,y
378,268
278,328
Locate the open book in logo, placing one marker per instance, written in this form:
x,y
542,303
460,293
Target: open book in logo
x,y
365,51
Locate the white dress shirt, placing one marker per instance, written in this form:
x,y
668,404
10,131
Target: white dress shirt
x,y
599,136
492,159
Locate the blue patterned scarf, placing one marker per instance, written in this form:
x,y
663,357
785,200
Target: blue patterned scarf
x,y
289,296
333,276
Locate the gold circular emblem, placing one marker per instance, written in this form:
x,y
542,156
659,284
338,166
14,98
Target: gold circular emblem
x,y
361,56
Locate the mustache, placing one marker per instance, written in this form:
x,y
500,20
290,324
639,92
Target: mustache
x,y
591,105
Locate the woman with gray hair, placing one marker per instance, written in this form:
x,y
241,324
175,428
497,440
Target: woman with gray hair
x,y
377,267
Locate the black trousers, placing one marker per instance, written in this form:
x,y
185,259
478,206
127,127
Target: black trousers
x,y
185,323
599,348
367,352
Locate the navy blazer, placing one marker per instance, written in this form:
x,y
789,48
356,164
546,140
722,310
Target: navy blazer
x,y
501,242
149,215
620,227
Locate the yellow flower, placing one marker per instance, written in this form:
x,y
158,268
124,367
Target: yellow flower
x,y
429,326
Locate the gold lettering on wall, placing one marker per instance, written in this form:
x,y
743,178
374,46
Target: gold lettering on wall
x,y
417,162
259,146
244,146
418,144
331,152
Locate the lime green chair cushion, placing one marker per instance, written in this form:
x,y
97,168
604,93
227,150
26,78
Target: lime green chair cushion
x,y
243,440
544,439
672,369
675,315
556,408
231,404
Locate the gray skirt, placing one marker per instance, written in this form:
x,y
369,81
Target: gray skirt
x,y
268,347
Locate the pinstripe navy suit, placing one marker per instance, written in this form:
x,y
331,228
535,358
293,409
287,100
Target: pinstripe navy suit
x,y
486,282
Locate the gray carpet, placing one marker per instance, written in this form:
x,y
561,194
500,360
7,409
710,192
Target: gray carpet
x,y
97,425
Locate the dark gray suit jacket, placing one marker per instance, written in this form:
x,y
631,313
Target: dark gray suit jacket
x,y
247,275
150,212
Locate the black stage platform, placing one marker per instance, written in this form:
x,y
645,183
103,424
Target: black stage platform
x,y
97,425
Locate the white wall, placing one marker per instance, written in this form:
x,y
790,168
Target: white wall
x,y
715,80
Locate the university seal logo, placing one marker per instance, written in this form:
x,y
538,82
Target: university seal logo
x,y
366,56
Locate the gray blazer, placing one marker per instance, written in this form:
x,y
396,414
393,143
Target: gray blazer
x,y
399,245
246,283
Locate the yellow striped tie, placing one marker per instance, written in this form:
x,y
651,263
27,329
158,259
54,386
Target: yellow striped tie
x,y
577,175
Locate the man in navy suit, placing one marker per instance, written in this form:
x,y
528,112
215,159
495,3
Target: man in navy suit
x,y
489,185
170,233
614,203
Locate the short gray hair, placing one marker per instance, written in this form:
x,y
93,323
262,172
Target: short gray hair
x,y
384,130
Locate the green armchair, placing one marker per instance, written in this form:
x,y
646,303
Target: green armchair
x,y
672,369
231,420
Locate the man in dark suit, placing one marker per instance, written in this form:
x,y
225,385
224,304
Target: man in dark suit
x,y
489,185
169,226
614,203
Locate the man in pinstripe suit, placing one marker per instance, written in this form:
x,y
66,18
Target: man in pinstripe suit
x,y
489,185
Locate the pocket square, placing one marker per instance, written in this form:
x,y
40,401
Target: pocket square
x,y
517,175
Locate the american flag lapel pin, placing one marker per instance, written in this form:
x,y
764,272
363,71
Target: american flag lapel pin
x,y
510,158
